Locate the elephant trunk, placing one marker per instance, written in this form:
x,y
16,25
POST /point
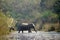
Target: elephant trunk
x,y
35,30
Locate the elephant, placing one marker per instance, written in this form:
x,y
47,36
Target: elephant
x,y
25,26
11,28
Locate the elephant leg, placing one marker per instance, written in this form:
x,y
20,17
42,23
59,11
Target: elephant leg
x,y
22,31
29,30
35,30
18,31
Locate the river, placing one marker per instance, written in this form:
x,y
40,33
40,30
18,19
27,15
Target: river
x,y
40,35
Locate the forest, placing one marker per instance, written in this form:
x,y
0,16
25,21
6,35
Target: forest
x,y
45,14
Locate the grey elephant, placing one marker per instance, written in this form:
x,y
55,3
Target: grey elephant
x,y
25,26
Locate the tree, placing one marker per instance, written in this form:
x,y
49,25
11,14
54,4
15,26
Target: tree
x,y
3,24
56,8
48,17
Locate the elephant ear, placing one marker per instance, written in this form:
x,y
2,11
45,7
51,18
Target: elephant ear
x,y
33,24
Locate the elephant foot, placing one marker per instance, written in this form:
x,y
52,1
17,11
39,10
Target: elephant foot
x,y
22,31
36,31
18,31
29,31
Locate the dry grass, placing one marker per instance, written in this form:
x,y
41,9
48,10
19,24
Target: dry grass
x,y
48,26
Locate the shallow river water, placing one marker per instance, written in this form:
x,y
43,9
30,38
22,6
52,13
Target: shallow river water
x,y
40,35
